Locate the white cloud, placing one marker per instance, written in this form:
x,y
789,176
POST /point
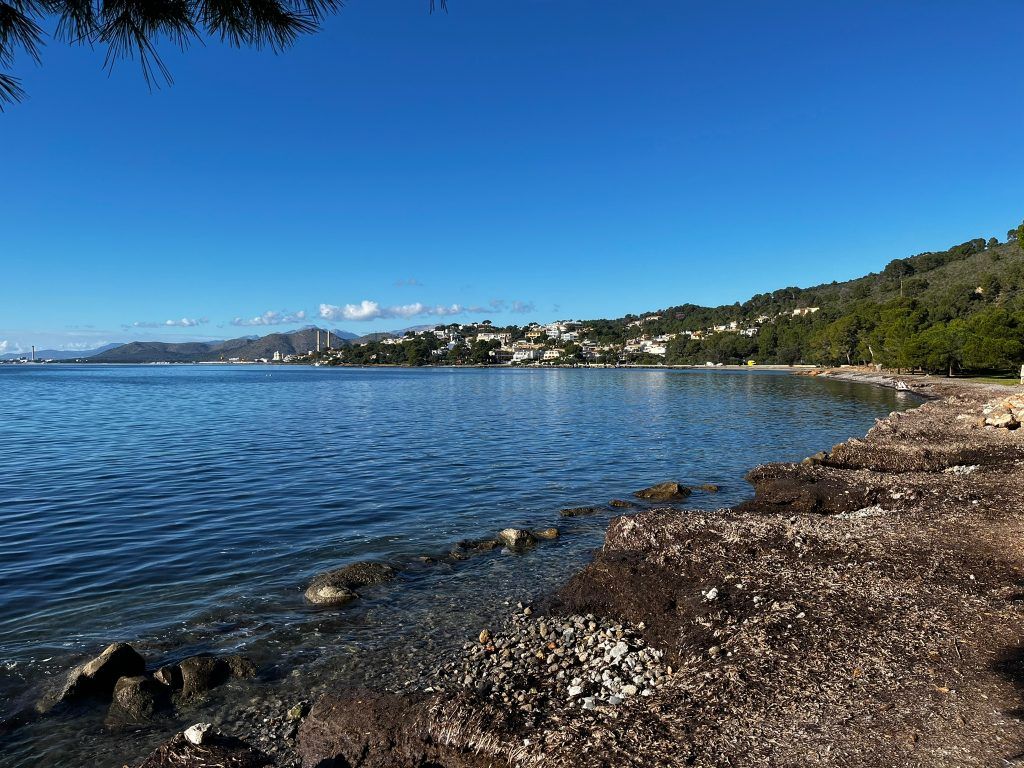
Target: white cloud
x,y
522,307
371,310
185,322
3,346
272,318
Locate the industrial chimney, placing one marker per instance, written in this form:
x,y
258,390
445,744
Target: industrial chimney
x,y
33,353
318,341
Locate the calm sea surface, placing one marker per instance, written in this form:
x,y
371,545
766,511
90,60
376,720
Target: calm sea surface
x,y
183,508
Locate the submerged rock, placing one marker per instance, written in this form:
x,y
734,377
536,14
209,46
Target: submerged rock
x,y
199,674
546,533
578,511
621,504
664,492
709,488
337,587
96,678
478,545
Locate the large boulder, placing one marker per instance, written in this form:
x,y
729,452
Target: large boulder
x,y
205,748
137,699
337,587
664,492
96,678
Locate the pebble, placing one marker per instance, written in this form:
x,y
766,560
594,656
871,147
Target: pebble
x,y
540,664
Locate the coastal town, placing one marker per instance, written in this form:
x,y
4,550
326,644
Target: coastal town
x,y
559,343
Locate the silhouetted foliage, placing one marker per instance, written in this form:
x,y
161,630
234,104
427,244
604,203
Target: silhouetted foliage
x,y
127,29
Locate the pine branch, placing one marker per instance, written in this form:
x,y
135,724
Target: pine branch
x,y
132,28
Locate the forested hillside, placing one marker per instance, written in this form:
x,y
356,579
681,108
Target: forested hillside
x,y
960,309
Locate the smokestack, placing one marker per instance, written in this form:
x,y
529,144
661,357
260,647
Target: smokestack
x,y
33,353
318,340
328,339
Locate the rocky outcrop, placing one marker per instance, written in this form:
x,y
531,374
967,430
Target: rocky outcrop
x,y
336,588
664,492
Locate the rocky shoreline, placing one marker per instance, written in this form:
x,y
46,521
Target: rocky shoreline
x,y
863,608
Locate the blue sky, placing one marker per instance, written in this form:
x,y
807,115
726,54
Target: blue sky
x,y
516,160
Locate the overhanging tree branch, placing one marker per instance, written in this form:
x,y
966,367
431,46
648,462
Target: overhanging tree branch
x,y
133,28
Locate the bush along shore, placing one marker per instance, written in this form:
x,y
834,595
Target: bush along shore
x,y
864,608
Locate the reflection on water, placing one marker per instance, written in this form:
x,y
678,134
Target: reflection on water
x,y
183,508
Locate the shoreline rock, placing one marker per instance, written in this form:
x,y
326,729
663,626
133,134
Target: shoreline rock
x,y
96,678
578,511
517,539
670,491
337,588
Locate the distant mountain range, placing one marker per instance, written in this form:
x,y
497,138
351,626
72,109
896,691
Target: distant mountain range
x,y
59,354
244,348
